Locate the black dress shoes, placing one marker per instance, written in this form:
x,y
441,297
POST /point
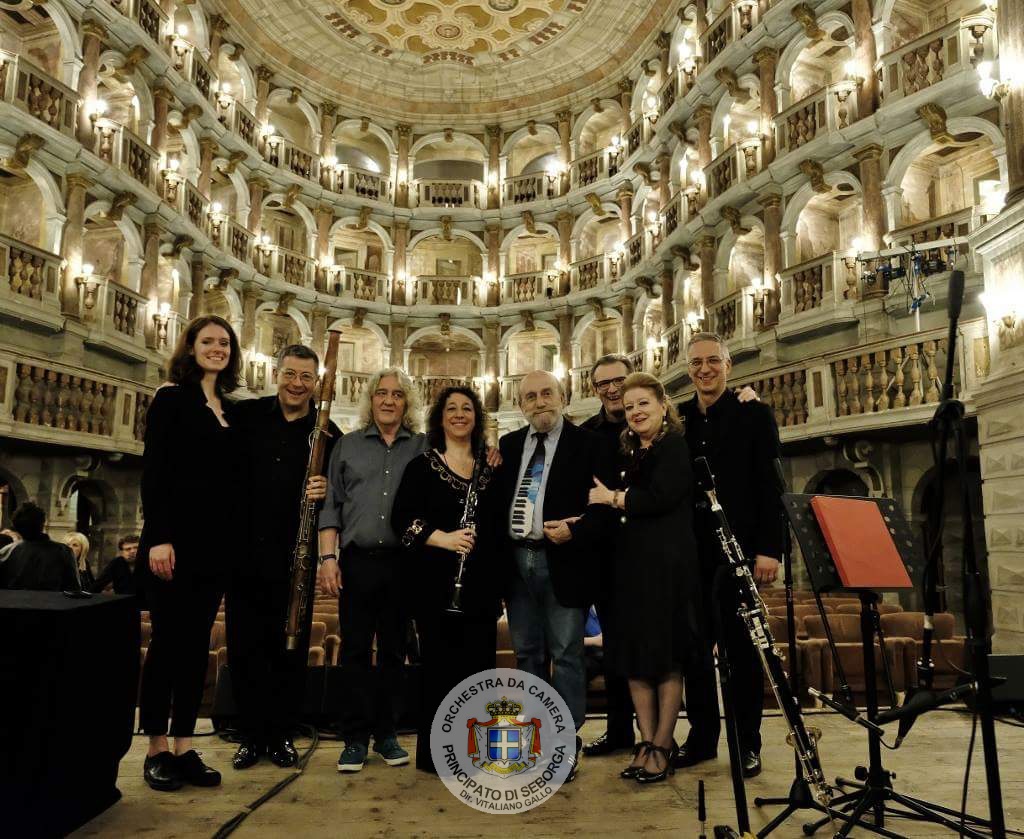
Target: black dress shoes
x,y
248,754
193,771
161,772
687,755
751,763
575,770
606,745
282,753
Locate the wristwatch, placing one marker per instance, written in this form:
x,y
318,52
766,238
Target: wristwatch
x,y
325,557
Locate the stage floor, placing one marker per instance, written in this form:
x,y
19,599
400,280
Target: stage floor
x,y
401,802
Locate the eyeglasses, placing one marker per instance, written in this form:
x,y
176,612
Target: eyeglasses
x,y
605,384
712,361
291,376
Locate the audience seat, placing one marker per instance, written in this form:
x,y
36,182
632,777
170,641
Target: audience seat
x,y
854,609
505,654
813,661
949,652
317,656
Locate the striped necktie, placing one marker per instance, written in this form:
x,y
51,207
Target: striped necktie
x,y
526,498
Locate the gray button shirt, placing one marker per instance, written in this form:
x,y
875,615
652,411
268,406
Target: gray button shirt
x,y
363,477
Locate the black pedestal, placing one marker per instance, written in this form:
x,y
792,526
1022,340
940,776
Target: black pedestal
x,y
69,673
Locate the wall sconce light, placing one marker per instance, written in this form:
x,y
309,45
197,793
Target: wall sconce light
x,y
559,371
1007,311
90,285
990,85
553,172
651,109
694,319
223,95
852,257
96,108
267,130
172,180
161,319
180,46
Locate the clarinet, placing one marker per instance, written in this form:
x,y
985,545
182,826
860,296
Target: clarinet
x,y
755,616
468,520
303,566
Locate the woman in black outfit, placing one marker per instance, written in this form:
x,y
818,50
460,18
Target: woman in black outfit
x,y
656,554
189,464
427,517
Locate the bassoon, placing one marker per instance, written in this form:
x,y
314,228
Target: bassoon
x,y
303,557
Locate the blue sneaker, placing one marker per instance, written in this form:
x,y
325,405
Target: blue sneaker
x,y
353,758
393,754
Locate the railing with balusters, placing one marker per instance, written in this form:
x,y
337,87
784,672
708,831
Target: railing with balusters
x,y
449,193
28,274
531,285
234,116
360,182
829,109
148,14
822,282
522,189
588,169
430,387
738,163
188,61
936,231
283,263
356,283
284,154
350,387
116,310
28,87
634,250
582,386
590,272
732,317
435,290
124,149
950,50
510,389
231,237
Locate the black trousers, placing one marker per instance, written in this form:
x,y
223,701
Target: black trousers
x,y
371,604
746,684
617,696
267,680
452,648
181,612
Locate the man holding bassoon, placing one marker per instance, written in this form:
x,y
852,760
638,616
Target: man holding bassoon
x,y
281,489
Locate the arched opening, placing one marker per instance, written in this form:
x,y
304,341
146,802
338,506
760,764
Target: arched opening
x,y
105,248
284,244
820,64
438,360
446,271
361,353
361,150
598,147
746,261
600,337
121,106
289,139
29,32
223,195
531,267
358,264
22,217
12,494
215,302
652,325
449,173
599,252
532,167
91,509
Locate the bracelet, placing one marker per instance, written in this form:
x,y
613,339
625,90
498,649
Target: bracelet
x,y
615,498
326,557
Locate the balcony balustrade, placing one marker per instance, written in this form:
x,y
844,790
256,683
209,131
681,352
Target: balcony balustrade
x,y
285,264
582,386
590,168
369,286
522,189
592,271
449,193
284,154
349,387
674,339
41,96
362,183
146,13
732,23
958,47
532,285
234,116
829,109
634,250
737,164
735,316
115,311
671,214
430,387
28,275
447,291
190,63
821,283
127,151
231,237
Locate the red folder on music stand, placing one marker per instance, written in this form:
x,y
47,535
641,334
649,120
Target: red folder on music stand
x,y
860,542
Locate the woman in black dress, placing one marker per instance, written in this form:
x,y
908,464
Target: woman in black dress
x,y
427,516
656,555
189,465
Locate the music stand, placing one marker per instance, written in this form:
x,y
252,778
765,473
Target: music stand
x,y
873,792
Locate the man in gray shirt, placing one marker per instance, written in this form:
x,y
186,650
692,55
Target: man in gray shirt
x,y
364,473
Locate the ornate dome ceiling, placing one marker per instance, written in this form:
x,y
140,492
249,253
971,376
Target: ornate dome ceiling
x,y
413,59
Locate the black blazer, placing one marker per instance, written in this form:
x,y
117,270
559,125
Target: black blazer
x,y
580,455
741,442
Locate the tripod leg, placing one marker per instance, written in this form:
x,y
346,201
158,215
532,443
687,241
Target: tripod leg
x,y
853,820
778,820
897,796
931,815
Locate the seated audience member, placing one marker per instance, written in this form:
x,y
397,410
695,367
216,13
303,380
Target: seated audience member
x,y
593,646
36,562
79,544
120,571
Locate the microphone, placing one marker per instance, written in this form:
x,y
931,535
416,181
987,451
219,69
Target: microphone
x,y
956,294
850,713
920,702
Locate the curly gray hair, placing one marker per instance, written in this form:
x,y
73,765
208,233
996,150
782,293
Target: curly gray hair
x,y
411,419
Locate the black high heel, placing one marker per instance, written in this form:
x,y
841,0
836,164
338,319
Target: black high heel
x,y
645,777
630,772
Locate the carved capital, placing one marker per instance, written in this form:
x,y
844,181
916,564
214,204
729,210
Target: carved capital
x,y
734,217
769,200
208,146
869,152
804,15
565,217
78,182
595,103
93,29
595,203
234,159
225,276
766,58
121,202
664,40
702,114
682,253
180,243
707,244
404,130
218,24
161,92
625,85
27,145
648,67
564,115
624,191
644,171
816,173
493,132
264,73
258,184
329,109
934,116
135,56
728,79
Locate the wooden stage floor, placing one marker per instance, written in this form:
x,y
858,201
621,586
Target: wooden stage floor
x,y
383,801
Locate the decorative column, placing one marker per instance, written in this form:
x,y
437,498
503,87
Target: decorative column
x,y
324,220
257,188
251,299
72,239
767,60
668,290
318,329
772,204
207,149
162,99
625,101
399,269
151,262
702,116
403,175
218,26
492,388
701,7
493,166
492,238
625,196
399,330
664,43
664,164
565,220
628,309
565,342
328,111
1010,29
873,225
865,54
92,45
564,147
708,251
198,271
263,75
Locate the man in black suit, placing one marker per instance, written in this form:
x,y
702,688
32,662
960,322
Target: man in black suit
x,y
741,443
37,563
553,538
